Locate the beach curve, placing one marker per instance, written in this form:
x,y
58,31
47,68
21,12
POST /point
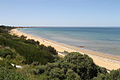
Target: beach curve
x,y
101,59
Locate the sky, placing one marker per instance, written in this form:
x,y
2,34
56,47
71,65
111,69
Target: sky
x,y
60,12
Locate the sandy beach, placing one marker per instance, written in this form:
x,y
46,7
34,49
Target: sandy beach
x,y
101,59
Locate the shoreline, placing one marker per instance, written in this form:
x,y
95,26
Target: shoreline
x,y
104,60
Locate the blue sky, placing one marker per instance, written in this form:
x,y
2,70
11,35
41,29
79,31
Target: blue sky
x,y
60,12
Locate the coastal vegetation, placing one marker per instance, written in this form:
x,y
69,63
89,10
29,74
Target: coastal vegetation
x,y
39,62
29,49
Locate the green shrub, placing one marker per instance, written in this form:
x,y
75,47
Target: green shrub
x,y
6,64
7,74
32,41
4,52
30,52
71,75
113,75
74,66
52,50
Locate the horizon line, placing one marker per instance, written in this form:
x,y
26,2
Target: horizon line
x,y
61,25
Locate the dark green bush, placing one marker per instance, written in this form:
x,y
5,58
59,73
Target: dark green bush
x,y
32,41
74,66
52,50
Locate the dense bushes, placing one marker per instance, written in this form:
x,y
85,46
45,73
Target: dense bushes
x,y
52,50
113,75
29,49
18,50
6,64
31,41
4,52
74,66
8,74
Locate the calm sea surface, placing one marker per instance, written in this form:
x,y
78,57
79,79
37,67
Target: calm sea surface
x,y
106,40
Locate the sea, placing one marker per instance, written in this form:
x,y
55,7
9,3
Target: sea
x,y
102,39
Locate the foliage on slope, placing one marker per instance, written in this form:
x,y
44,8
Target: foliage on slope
x,y
29,49
8,74
74,66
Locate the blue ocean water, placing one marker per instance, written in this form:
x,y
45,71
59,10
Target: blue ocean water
x,y
106,40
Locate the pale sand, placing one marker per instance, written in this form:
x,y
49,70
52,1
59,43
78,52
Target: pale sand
x,y
103,60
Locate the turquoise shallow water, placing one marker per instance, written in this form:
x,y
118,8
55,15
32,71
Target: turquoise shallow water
x,y
106,40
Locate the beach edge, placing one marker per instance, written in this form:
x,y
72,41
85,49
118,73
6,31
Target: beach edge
x,y
103,60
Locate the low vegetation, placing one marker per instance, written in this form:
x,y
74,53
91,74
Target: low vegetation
x,y
29,49
74,66
42,63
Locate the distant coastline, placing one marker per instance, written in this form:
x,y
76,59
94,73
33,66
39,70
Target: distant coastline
x,y
103,60
104,40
